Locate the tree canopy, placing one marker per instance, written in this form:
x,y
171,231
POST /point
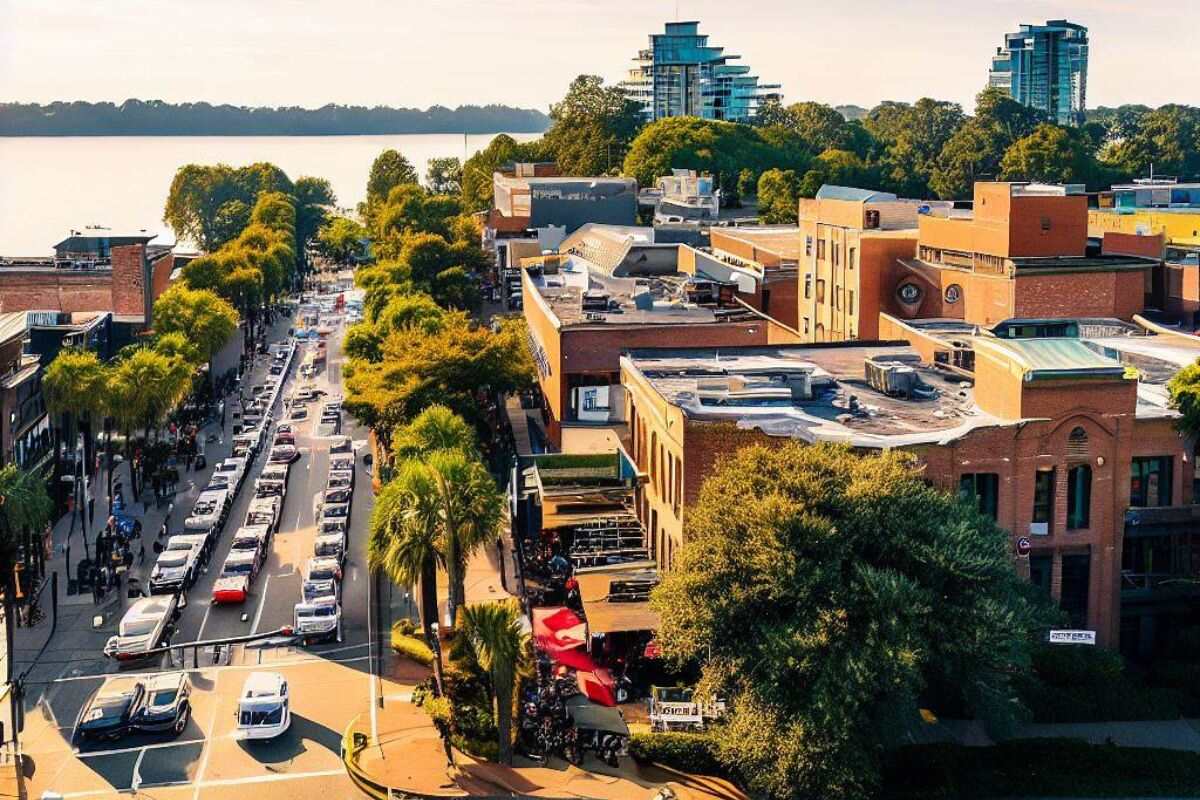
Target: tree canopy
x,y
591,127
823,593
204,318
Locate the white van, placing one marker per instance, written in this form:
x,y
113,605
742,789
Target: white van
x,y
263,710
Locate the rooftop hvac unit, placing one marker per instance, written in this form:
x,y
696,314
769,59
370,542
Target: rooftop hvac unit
x,y
896,378
594,300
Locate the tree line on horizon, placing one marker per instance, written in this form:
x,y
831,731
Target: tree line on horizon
x,y
159,118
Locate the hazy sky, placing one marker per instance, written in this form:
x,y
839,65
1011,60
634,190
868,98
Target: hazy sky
x,y
525,52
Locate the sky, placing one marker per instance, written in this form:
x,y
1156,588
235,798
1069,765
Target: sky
x,y
525,52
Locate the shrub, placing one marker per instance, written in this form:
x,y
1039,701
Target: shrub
x,y
1075,665
412,648
487,749
687,752
1086,684
405,627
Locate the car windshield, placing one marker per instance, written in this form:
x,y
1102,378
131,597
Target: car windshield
x,y
261,716
245,543
322,574
137,627
172,560
236,570
200,509
164,697
175,544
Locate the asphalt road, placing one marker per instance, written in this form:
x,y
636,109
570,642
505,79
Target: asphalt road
x,y
330,683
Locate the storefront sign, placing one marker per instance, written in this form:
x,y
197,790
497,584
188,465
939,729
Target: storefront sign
x,y
1072,637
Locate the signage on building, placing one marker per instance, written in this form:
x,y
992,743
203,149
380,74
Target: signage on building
x,y
1072,637
1024,546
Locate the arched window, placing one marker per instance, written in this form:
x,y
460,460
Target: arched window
x,y
1077,444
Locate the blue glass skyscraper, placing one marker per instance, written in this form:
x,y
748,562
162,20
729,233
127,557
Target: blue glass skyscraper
x,y
1045,67
680,74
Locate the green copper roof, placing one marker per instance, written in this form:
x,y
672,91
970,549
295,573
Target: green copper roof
x,y
1045,359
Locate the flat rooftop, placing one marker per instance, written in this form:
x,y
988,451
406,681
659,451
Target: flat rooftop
x,y
784,242
814,393
563,292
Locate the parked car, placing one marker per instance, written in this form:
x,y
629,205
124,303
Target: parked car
x,y
319,620
267,487
263,710
330,544
233,585
186,541
147,623
284,454
274,472
285,438
220,481
341,463
299,412
341,494
175,570
341,444
209,511
322,576
252,539
264,511
339,480
166,704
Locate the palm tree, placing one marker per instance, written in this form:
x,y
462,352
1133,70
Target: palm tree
x,y
435,428
25,511
502,649
75,387
469,509
405,535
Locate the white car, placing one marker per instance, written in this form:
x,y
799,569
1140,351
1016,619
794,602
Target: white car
x,y
175,570
186,541
231,468
318,620
330,544
252,539
264,511
263,710
322,577
145,625
209,511
274,472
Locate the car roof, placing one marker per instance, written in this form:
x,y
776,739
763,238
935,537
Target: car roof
x,y
149,607
191,538
213,495
262,684
166,680
321,561
239,556
118,685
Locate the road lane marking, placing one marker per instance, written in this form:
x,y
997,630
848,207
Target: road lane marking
x,y
203,622
262,603
315,659
250,779
143,747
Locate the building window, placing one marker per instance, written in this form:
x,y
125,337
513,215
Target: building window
x,y
835,252
1076,571
808,286
808,245
1045,224
678,485
1039,572
1077,444
1043,496
909,294
850,303
806,324
982,488
820,291
1079,496
953,293
1150,482
820,249
852,261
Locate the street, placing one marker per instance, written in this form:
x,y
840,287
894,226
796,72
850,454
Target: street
x,y
330,683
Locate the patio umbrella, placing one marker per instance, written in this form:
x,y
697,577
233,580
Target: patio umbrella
x,y
597,686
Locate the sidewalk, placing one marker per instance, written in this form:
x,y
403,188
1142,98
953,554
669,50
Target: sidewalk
x,y
408,758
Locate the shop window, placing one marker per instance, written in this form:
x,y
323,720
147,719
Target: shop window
x,y
1040,568
984,489
1079,496
1150,482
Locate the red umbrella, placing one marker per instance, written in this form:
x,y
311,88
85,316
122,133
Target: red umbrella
x,y
653,649
597,686
575,658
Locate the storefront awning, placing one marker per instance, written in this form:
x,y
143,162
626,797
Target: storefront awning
x,y
607,616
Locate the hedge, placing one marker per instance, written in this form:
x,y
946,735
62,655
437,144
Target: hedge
x,y
1041,767
693,753
411,647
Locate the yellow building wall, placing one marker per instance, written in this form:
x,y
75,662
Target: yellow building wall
x,y
1178,227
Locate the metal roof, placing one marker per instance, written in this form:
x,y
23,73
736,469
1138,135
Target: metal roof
x,y
830,192
1056,358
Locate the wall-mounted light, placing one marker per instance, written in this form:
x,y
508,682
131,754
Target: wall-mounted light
x,y
1099,461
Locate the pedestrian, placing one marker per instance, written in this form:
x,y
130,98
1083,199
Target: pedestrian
x,y
141,552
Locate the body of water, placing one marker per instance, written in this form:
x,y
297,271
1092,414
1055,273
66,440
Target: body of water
x,y
50,185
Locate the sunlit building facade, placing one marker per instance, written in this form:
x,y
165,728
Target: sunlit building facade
x,y
1045,67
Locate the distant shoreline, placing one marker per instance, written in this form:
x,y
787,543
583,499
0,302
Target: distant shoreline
x,y
158,119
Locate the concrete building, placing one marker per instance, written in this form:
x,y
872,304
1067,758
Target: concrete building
x,y
527,201
774,255
1045,67
1056,437
684,197
681,74
25,438
611,288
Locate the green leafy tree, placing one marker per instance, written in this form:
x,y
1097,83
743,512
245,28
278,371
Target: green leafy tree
x,y
343,240
409,209
1184,391
26,512
1167,138
74,387
211,204
1051,154
479,170
975,150
836,167
501,647
454,289
202,316
822,593
591,127
405,535
313,197
389,170
909,139
777,202
444,176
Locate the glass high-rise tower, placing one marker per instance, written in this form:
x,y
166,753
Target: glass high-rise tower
x,y
1045,67
680,74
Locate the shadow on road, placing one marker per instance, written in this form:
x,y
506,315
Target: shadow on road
x,y
293,743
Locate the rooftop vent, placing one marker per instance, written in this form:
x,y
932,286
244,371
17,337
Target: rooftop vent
x,y
594,300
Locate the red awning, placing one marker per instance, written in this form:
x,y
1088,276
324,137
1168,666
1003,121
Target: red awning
x,y
556,630
598,686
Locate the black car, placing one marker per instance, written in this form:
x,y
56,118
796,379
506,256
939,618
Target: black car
x,y
136,704
340,494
